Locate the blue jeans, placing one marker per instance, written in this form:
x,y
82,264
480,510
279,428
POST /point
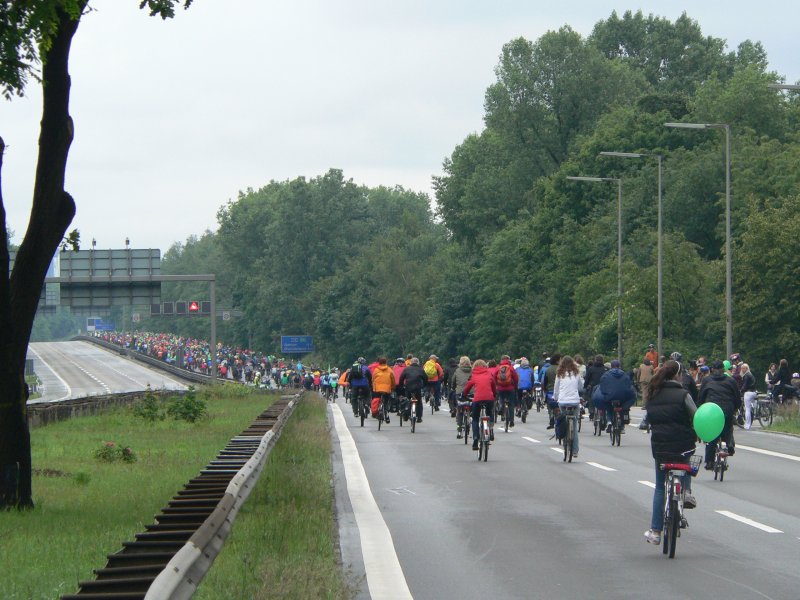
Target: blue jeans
x,y
657,519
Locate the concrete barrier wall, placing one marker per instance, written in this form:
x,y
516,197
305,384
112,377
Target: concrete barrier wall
x,y
45,413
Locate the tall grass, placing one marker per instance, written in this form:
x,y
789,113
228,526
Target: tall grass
x,y
283,544
86,508
787,419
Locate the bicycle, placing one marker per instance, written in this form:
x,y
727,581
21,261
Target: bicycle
x,y
618,424
571,426
720,460
382,410
484,433
413,415
674,495
463,409
539,395
525,404
763,410
599,421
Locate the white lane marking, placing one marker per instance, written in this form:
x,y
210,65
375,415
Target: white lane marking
x,y
384,574
768,452
531,440
52,370
649,484
746,521
559,450
599,466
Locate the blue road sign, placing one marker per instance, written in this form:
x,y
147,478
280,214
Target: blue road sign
x,y
101,325
297,344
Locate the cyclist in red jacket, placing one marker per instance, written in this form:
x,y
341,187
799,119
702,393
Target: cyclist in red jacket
x,y
485,388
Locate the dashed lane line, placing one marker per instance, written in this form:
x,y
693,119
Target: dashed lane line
x,y
530,439
768,452
649,484
601,467
559,450
746,521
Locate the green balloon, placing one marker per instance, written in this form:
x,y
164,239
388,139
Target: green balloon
x,y
709,421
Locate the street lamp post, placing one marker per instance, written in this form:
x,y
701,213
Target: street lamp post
x,y
728,249
660,307
619,253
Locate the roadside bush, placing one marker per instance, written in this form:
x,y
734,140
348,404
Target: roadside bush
x,y
149,408
111,452
188,407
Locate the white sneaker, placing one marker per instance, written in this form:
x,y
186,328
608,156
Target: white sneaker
x,y
653,537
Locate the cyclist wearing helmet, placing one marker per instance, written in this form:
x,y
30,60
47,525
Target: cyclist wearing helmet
x,y
686,380
615,385
359,379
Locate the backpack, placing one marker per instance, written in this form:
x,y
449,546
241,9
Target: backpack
x,y
430,369
356,372
504,374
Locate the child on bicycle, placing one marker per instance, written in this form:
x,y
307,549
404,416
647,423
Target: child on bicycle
x,y
485,388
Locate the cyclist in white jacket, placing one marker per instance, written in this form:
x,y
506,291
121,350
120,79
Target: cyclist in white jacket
x,y
567,392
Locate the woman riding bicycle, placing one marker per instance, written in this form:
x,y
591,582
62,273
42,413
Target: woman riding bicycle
x,y
485,388
670,409
567,392
457,382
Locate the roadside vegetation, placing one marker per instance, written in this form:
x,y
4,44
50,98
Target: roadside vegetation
x,y
283,544
787,421
99,480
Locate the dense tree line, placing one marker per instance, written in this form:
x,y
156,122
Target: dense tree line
x,y
518,259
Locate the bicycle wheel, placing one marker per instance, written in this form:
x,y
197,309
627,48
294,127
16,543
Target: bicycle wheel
x,y
466,426
523,415
362,410
769,415
413,422
507,412
674,525
381,416
722,468
667,518
570,423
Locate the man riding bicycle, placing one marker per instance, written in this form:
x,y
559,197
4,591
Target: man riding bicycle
x,y
383,384
458,382
722,390
615,385
413,379
359,379
506,379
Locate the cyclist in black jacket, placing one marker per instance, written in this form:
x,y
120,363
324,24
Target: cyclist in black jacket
x,y
413,378
722,390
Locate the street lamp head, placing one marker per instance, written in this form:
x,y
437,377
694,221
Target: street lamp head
x,y
625,154
688,125
593,178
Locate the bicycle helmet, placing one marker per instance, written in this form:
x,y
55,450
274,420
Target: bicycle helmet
x,y
735,356
399,360
676,356
361,360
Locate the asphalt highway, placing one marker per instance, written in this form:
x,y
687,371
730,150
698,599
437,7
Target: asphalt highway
x,y
80,369
527,525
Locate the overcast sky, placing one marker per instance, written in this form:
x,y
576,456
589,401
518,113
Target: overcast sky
x,y
174,118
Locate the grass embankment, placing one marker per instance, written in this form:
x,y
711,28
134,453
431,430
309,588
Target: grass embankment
x,y
86,508
787,420
283,541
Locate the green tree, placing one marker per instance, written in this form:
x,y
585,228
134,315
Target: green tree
x,y
33,32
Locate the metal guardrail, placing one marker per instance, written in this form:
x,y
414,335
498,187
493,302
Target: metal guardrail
x,y
162,564
182,575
